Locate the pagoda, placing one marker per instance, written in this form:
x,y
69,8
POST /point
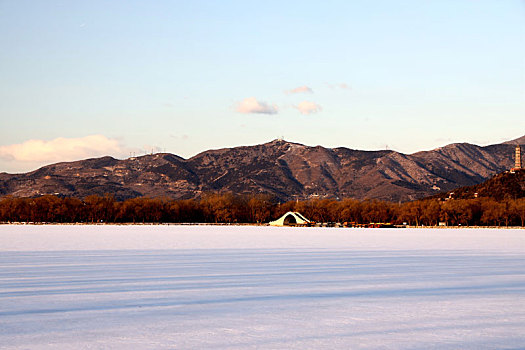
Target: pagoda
x,y
517,159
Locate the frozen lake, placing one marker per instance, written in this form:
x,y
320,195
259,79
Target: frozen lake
x,y
221,287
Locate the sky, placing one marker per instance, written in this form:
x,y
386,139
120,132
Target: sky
x,y
81,79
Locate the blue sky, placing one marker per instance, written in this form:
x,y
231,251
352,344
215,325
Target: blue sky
x,y
81,79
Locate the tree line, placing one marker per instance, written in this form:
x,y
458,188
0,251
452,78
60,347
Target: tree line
x,y
230,208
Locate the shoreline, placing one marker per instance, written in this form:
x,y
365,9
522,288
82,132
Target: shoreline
x,y
240,224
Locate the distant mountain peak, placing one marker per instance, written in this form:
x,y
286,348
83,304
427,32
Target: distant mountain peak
x,y
280,142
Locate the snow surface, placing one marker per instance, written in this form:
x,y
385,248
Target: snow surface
x,y
233,287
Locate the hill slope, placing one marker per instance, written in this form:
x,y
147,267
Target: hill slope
x,y
284,169
507,185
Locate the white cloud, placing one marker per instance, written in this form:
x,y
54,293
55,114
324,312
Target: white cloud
x,y
251,105
179,137
61,149
300,89
307,107
343,86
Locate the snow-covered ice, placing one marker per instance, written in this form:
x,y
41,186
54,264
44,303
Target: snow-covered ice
x,y
232,287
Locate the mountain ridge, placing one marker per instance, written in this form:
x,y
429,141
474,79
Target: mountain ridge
x,y
286,170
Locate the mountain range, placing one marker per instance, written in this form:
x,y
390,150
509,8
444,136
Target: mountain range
x,y
283,169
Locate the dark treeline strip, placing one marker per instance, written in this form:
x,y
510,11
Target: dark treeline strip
x,y
229,208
